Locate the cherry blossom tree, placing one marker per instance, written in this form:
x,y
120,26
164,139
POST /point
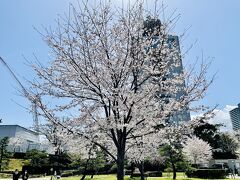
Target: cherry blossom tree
x,y
17,143
197,151
56,135
140,150
117,71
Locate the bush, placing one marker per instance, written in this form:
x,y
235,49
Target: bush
x,y
113,169
37,169
68,173
168,170
19,155
138,174
190,171
206,173
181,166
154,173
128,172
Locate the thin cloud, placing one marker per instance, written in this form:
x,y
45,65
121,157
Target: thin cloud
x,y
222,116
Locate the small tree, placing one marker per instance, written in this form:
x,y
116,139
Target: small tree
x,y
4,154
171,148
86,152
96,163
197,151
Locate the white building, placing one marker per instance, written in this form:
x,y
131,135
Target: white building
x,y
29,137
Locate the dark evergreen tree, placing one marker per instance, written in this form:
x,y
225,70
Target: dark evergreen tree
x,y
4,154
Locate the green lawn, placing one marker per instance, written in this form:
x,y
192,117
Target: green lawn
x,y
16,164
166,176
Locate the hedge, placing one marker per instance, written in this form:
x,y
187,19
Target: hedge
x,y
207,173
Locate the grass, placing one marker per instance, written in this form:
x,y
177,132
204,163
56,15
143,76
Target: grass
x,y
4,175
16,164
13,164
166,176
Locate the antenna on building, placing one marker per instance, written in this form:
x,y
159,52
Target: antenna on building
x,y
32,98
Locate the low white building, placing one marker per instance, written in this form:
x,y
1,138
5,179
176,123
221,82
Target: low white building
x,y
29,139
233,164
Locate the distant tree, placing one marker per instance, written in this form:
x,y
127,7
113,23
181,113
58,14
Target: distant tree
x,y
16,143
227,146
197,151
37,158
4,154
208,132
56,136
229,143
96,163
173,156
142,150
224,145
172,148
84,151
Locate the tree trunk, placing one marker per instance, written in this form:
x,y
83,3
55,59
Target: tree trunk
x,y
85,169
132,169
141,169
83,177
120,164
174,170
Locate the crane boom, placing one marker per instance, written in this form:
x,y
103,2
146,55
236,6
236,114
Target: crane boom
x,y
26,94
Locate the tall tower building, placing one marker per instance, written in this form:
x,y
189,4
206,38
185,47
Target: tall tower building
x,y
175,67
183,114
235,118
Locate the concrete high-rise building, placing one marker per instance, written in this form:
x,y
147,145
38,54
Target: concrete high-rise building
x,y
176,67
235,118
183,114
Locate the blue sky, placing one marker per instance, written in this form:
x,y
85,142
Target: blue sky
x,y
214,24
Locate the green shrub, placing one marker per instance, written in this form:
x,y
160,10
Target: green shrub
x,y
113,169
207,173
128,172
190,171
168,170
181,166
154,174
67,173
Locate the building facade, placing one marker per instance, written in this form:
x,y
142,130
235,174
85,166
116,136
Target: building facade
x,y
24,139
235,118
175,70
174,62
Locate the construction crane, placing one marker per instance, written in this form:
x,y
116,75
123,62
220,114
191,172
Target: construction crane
x,y
31,97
